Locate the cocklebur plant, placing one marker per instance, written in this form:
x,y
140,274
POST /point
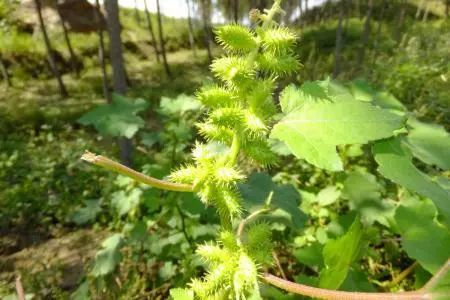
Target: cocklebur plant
x,y
240,114
240,110
240,120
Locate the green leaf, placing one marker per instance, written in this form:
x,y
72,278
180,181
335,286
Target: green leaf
x,y
364,195
423,238
179,106
339,255
394,163
361,90
310,255
107,259
290,99
81,293
181,294
430,143
328,196
118,118
388,101
125,202
314,128
357,281
168,270
150,138
88,213
284,197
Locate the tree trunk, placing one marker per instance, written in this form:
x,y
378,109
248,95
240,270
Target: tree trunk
x,y
137,16
447,8
152,32
73,58
400,22
191,29
348,15
4,72
420,8
427,10
50,55
300,17
119,77
366,33
162,42
101,53
378,34
339,44
206,21
288,9
236,11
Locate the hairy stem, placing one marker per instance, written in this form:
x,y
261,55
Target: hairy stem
x,y
19,289
277,262
246,220
426,292
310,291
109,164
183,228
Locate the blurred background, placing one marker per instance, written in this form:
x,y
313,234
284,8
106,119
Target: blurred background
x,y
119,79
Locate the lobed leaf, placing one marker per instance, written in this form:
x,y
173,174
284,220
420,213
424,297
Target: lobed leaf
x,y
364,195
313,128
117,119
430,143
260,187
423,238
394,163
107,259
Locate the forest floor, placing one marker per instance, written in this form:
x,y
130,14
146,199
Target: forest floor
x,y
61,259
58,254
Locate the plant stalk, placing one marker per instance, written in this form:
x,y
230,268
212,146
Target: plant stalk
x,y
314,292
109,164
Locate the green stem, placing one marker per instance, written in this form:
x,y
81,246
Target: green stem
x,y
234,151
401,276
109,164
248,219
183,228
276,7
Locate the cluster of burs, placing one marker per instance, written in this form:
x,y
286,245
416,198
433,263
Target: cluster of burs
x,y
240,112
